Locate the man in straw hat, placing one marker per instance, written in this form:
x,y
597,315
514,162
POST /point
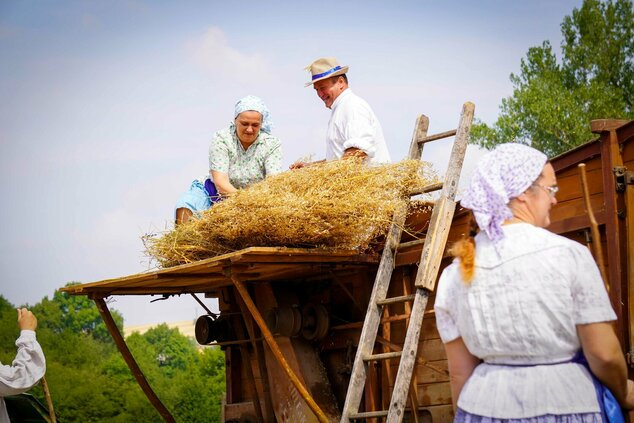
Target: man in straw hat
x,y
353,129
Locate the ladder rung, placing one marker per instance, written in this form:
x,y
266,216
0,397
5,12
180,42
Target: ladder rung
x,y
427,188
411,243
395,300
368,414
382,356
438,136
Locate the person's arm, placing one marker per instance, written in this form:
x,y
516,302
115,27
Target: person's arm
x,y
219,161
603,352
353,152
221,180
29,364
360,132
593,315
461,364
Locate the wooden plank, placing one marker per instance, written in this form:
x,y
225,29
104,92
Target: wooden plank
x,y
438,136
380,288
582,153
610,157
428,372
442,214
575,223
413,390
305,395
629,224
408,359
435,394
441,413
287,258
420,132
373,316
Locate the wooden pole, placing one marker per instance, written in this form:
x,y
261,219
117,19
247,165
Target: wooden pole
x,y
129,359
268,337
594,226
49,400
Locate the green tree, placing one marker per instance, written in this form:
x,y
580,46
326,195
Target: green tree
x,y
552,104
76,313
89,380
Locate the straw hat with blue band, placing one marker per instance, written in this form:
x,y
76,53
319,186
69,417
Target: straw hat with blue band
x,y
323,68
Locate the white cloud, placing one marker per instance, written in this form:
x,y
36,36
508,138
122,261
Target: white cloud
x,y
212,52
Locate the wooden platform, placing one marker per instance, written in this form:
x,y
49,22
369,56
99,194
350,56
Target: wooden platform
x,y
250,265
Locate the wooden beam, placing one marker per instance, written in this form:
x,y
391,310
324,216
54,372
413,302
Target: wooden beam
x,y
256,345
268,337
610,158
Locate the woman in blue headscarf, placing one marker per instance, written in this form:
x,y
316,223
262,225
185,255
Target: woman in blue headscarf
x,y
243,153
520,306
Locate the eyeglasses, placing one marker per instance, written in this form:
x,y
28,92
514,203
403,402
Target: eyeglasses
x,y
551,190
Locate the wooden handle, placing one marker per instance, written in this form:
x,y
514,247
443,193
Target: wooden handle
x,y
594,227
49,400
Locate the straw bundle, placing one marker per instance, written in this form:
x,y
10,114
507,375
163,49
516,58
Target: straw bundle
x,y
341,204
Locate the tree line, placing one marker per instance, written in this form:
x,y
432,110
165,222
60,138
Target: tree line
x,y
553,101
90,382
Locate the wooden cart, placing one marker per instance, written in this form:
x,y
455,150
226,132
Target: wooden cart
x,y
314,302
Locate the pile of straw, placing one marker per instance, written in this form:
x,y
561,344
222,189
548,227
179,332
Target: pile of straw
x,y
340,204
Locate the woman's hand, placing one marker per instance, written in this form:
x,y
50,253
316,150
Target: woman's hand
x,y
298,165
223,185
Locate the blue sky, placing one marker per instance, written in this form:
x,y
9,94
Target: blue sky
x,y
107,108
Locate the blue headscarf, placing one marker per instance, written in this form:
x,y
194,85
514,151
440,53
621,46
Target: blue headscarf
x,y
255,104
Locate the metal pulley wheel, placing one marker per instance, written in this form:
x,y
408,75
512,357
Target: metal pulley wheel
x,y
209,330
285,321
315,321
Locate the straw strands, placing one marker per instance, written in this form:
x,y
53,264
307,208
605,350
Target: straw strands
x,y
340,204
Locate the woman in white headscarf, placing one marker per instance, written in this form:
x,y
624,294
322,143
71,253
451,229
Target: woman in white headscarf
x,y
520,306
243,153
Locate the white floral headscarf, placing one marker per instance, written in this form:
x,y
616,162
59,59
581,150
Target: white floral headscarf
x,y
256,104
501,175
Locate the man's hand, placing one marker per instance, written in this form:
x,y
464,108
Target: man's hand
x,y
354,152
26,319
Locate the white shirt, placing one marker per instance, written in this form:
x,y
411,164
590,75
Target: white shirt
x,y
27,369
354,124
522,307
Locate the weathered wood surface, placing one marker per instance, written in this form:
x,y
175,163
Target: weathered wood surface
x,y
251,264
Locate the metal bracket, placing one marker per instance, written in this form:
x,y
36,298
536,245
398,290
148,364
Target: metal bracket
x,y
619,176
623,177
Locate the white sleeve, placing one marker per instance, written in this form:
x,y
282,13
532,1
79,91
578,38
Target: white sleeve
x,y
27,368
360,130
591,303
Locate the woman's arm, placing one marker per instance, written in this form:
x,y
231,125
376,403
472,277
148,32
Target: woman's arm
x,y
221,180
461,365
603,352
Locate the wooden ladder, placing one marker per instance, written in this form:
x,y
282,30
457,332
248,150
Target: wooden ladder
x,y
433,249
